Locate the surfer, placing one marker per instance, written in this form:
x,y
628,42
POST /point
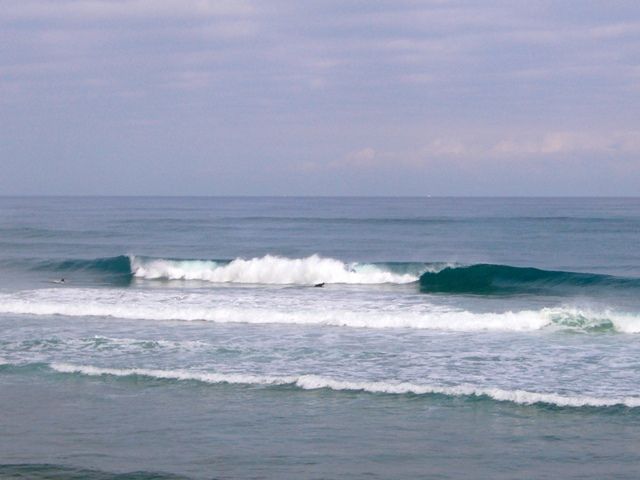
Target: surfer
x,y
319,285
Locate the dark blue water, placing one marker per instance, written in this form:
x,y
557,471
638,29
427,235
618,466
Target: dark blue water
x,y
450,338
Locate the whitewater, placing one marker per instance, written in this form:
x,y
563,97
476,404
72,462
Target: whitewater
x,y
313,382
269,269
332,308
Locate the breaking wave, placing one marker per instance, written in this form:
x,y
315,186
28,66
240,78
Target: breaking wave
x,y
314,382
270,270
314,311
477,279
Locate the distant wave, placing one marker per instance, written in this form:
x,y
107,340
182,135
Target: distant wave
x,y
488,279
313,382
155,306
64,472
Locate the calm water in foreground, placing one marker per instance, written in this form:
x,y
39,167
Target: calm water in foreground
x,y
452,338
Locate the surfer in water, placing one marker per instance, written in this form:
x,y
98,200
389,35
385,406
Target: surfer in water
x,y
319,285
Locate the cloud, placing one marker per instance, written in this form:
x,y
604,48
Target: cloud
x,y
558,143
359,86
370,49
364,158
483,149
615,30
121,9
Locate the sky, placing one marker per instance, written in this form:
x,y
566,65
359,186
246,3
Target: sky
x,y
335,97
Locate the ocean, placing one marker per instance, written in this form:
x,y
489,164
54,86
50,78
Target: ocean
x,y
346,338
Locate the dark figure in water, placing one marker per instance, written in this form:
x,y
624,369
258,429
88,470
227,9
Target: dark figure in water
x,y
319,284
62,280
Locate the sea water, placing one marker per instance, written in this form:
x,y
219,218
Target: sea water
x,y
451,338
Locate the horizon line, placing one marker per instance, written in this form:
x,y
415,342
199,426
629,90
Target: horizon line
x,y
306,196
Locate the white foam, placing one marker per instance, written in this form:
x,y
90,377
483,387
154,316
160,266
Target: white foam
x,y
136,342
267,270
203,377
624,322
586,319
313,382
308,310
338,316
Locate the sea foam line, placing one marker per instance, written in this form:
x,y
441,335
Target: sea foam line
x,y
269,269
315,382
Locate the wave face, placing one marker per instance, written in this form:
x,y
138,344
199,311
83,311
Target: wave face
x,y
483,279
115,265
269,269
314,382
115,271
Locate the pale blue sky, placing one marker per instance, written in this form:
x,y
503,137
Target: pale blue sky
x,y
197,97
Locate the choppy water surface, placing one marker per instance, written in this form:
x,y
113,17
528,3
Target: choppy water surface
x,y
319,338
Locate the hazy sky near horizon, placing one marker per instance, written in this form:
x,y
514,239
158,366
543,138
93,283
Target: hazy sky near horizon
x,y
362,97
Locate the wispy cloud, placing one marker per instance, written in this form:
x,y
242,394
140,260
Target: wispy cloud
x,y
118,9
483,148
